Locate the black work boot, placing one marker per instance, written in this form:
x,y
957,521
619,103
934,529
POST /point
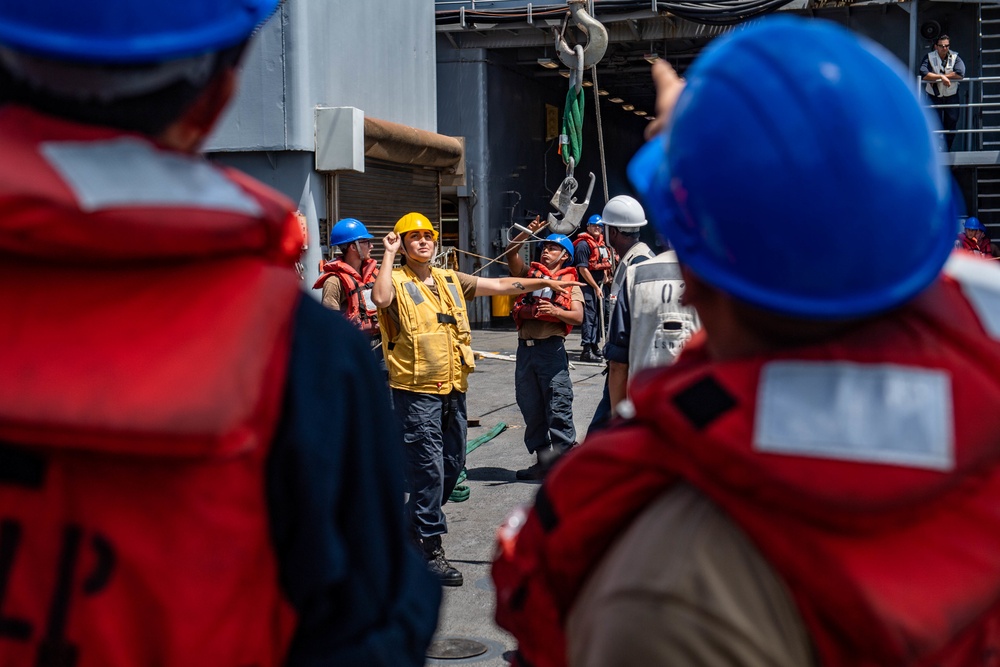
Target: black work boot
x,y
588,353
533,472
546,457
438,564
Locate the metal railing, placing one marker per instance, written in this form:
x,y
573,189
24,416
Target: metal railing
x,y
979,113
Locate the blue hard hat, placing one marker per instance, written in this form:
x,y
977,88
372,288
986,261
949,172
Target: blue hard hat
x,y
129,31
595,220
562,240
972,222
792,140
348,230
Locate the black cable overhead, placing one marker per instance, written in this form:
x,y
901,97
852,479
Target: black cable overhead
x,y
714,12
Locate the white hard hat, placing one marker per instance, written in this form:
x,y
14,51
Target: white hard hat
x,y
623,211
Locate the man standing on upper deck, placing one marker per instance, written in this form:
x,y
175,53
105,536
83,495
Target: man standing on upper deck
x,y
942,69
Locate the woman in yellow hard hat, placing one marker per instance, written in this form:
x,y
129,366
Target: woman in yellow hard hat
x,y
427,343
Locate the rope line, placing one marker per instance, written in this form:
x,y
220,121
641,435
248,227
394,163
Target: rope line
x,y
600,131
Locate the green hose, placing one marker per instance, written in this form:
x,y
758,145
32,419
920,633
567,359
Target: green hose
x,y
462,491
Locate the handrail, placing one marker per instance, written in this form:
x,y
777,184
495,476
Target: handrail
x,y
976,119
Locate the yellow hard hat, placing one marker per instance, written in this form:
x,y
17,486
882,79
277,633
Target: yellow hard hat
x,y
411,222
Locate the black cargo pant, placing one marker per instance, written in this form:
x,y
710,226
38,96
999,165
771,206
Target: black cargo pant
x,y
434,433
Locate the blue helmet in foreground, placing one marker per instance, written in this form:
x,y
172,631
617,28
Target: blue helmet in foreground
x,y
347,231
563,240
595,220
972,222
792,140
129,31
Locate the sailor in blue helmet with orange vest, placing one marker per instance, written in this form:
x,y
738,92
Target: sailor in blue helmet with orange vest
x,y
171,492
593,262
353,273
542,385
815,481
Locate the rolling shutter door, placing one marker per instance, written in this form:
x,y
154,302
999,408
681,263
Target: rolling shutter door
x,y
383,194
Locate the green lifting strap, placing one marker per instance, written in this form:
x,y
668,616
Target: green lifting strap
x,y
573,125
462,491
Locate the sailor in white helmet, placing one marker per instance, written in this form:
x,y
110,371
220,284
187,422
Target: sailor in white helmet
x,y
623,217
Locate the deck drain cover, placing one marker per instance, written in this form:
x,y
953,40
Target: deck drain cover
x,y
454,648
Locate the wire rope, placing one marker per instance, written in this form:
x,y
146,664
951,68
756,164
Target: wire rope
x,y
600,131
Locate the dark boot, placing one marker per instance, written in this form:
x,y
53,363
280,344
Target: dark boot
x,y
588,353
533,472
438,564
537,471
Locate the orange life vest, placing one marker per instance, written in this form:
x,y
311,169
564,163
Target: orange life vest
x,y
358,309
889,548
526,305
600,254
138,405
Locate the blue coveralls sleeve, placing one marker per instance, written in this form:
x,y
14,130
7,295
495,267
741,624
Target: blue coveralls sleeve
x,y
959,66
581,254
335,498
619,329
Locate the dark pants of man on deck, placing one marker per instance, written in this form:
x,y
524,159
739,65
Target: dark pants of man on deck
x,y
590,332
949,116
544,393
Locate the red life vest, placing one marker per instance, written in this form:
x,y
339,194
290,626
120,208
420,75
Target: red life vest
x,y
140,395
976,246
888,564
354,285
526,305
600,254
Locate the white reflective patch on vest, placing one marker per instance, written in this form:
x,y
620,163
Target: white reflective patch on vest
x,y
369,305
895,415
415,294
980,283
544,293
128,172
453,288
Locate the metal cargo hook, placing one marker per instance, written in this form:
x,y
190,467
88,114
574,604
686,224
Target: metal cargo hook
x,y
597,38
572,210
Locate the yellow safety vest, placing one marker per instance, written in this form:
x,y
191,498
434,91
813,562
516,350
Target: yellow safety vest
x,y
432,351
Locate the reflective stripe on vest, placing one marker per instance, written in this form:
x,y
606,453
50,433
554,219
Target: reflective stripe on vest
x,y
132,172
856,412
